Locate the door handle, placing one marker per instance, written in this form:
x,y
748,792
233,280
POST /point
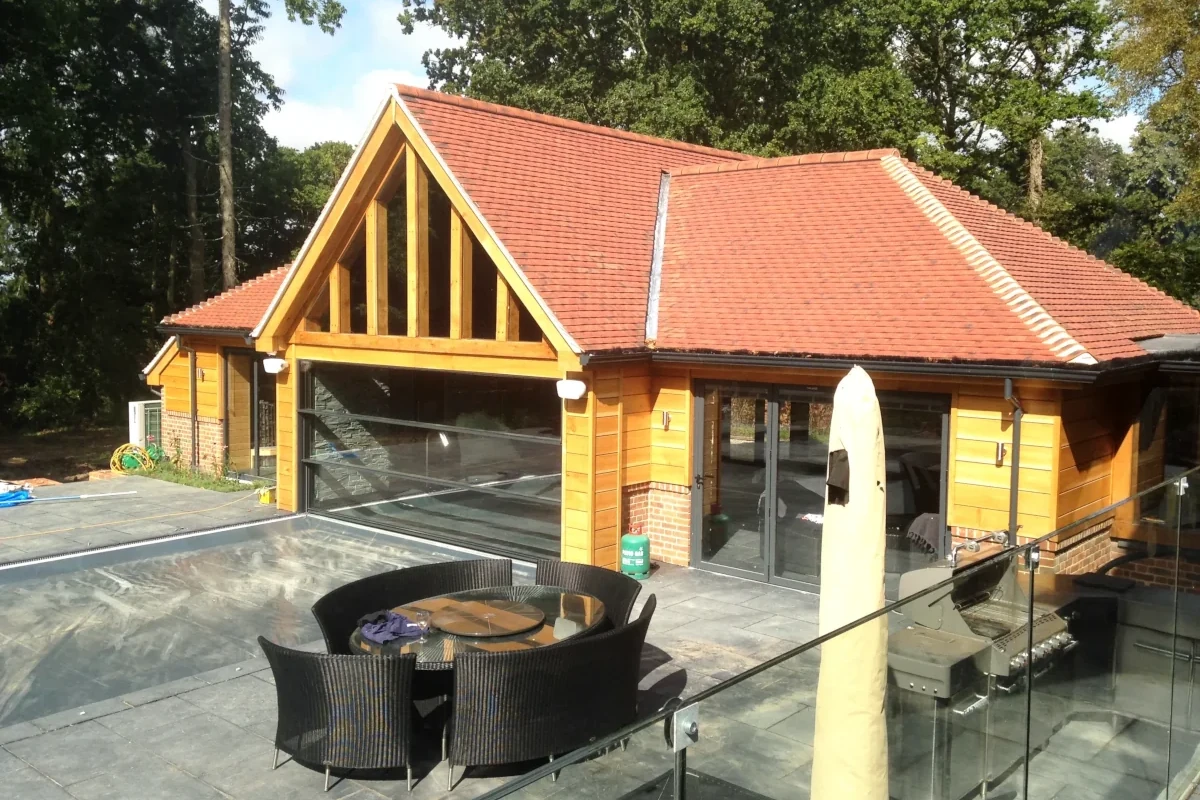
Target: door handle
x,y
699,481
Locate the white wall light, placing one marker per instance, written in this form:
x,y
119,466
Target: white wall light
x,y
274,366
571,390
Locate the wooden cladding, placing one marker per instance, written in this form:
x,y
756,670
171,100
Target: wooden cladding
x,y
462,272
339,299
508,313
417,186
377,269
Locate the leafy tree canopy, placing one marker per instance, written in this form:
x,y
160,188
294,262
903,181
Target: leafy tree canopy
x,y
98,103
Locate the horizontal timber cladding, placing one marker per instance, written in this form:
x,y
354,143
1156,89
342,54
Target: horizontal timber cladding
x,y
174,378
1094,423
981,420
287,385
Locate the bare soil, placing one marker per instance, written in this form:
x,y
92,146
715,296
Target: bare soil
x,y
59,456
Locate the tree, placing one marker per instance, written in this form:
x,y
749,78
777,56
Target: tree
x,y
327,14
1114,204
1157,60
996,75
102,108
764,76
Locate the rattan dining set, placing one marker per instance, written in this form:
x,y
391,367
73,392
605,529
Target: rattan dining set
x,y
567,681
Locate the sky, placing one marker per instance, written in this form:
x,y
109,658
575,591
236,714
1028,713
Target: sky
x,y
332,84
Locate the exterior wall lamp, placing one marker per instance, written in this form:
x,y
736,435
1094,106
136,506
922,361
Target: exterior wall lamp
x,y
571,389
274,366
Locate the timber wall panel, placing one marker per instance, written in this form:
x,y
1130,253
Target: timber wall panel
x,y
578,479
978,495
240,413
287,385
1089,439
176,389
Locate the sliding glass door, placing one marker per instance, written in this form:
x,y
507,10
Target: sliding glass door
x,y
733,484
470,459
759,491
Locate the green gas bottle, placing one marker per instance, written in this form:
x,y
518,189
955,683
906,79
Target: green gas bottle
x,y
635,555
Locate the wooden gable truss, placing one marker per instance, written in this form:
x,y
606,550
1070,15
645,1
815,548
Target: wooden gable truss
x,y
312,316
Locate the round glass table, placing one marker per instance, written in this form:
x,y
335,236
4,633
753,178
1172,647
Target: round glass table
x,y
490,614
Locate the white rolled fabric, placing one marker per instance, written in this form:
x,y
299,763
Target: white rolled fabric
x,y
850,760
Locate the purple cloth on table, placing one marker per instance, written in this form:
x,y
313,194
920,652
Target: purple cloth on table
x,y
385,627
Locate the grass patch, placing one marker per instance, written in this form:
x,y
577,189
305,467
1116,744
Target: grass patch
x,y
166,471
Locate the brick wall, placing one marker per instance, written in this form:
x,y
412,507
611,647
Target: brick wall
x,y
662,511
177,440
1161,572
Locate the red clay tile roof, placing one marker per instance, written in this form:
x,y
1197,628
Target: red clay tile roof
x,y
1103,308
854,255
573,204
834,254
800,256
865,255
238,309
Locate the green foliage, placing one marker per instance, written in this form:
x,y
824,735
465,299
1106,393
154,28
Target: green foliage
x,y
93,227
995,74
1157,67
327,14
752,75
213,481
1115,205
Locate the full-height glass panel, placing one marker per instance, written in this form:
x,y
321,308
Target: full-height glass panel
x,y
803,449
734,467
469,458
763,466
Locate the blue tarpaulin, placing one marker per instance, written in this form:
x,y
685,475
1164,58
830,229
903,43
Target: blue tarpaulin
x,y
15,498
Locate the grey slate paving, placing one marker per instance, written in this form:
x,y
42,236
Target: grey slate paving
x,y
75,754
159,508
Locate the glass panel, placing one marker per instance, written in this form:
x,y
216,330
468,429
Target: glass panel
x,y
356,262
520,515
483,293
439,261
397,257
519,405
239,411
912,438
266,423
912,430
804,417
317,316
468,458
733,532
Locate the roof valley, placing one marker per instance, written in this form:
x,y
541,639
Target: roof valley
x,y
1002,283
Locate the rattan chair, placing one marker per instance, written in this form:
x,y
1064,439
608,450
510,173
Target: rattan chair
x,y
343,712
338,612
520,705
618,592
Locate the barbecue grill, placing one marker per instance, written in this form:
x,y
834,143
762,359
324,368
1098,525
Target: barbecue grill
x,y
957,716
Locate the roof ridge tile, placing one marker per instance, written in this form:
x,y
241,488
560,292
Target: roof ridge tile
x,y
803,159
418,93
1006,287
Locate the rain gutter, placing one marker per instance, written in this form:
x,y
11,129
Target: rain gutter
x,y
1078,375
181,330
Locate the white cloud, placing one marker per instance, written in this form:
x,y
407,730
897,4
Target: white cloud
x,y
1118,129
300,124
386,31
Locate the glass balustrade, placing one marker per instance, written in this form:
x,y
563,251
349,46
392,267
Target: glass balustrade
x,y
1063,667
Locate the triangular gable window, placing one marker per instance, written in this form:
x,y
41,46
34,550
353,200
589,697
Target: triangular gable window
x,y
413,268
